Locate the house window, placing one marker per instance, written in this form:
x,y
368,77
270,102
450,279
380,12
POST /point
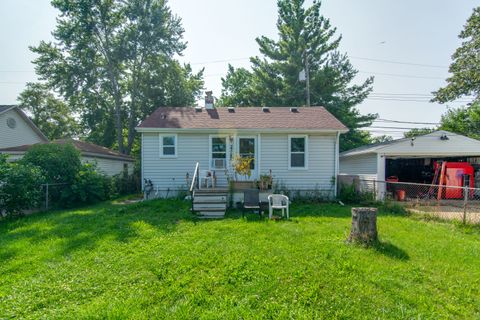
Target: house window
x,y
298,150
218,151
168,146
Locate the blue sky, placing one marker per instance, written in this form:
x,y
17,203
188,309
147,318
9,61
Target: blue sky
x,y
417,32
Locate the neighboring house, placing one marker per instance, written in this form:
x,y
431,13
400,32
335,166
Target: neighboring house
x,y
108,161
17,129
299,145
409,159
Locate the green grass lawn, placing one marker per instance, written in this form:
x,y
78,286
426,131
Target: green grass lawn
x,y
154,260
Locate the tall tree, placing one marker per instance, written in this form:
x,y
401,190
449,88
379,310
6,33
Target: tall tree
x,y
110,61
49,113
464,82
306,41
465,68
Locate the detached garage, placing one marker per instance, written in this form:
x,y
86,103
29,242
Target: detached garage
x,y
411,159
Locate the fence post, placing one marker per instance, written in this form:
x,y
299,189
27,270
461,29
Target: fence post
x,y
465,203
46,196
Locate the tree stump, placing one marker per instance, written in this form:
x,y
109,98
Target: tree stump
x,y
364,225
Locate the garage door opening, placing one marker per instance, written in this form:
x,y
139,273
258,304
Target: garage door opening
x,y
422,170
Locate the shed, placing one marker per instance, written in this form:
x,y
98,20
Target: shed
x,y
410,159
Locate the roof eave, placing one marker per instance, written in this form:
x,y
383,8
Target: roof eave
x,y
260,130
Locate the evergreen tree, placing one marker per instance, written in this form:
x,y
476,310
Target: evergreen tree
x,y
305,38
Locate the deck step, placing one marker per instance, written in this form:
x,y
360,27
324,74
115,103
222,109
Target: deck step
x,y
209,199
210,203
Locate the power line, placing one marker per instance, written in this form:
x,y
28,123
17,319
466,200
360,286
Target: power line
x,y
400,62
397,128
401,75
407,122
412,100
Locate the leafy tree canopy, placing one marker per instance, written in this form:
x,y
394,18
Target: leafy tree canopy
x,y
50,114
113,63
305,38
465,120
418,132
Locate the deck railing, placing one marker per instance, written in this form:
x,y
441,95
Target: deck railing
x,y
195,181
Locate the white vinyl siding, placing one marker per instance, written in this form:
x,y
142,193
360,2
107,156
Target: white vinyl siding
x,y
169,174
21,134
109,167
320,160
364,165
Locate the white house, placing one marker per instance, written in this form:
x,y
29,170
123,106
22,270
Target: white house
x,y
17,129
299,145
409,159
108,162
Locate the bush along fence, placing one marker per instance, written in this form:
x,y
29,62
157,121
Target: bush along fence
x,y
449,202
53,176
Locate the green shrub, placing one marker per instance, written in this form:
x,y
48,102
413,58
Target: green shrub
x,y
60,163
20,187
349,194
126,184
89,187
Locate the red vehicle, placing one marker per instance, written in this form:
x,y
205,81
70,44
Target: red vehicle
x,y
454,175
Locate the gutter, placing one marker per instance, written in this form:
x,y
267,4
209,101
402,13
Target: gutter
x,y
239,130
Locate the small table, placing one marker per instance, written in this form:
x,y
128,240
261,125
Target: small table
x,y
264,206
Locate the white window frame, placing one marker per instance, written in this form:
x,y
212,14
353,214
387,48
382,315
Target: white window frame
x,y
210,151
164,135
290,136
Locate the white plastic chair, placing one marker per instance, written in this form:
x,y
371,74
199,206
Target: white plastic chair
x,y
278,201
205,175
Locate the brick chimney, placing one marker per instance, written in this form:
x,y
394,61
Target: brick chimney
x,y
209,100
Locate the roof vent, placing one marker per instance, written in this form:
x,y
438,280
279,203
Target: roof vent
x,y
444,137
294,109
265,109
198,109
163,116
231,109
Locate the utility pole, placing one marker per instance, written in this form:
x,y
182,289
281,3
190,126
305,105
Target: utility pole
x,y
307,78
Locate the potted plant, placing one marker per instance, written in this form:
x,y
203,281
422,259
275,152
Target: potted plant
x,y
242,166
265,181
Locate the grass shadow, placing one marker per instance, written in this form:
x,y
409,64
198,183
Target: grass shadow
x,y
390,250
82,228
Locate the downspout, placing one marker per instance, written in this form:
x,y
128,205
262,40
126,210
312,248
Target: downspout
x,y
141,164
337,157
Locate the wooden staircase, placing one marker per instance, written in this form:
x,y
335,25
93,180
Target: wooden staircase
x,y
210,203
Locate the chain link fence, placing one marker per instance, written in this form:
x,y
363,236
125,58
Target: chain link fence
x,y
460,203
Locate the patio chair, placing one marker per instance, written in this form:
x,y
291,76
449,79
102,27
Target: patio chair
x,y
251,201
278,201
205,176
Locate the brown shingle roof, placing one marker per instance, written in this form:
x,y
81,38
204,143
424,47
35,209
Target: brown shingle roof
x,y
311,118
85,149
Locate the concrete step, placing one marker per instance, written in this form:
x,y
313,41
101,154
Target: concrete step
x,y
209,199
222,191
211,214
210,207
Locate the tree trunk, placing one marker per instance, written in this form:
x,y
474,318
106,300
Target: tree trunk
x,y
364,225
